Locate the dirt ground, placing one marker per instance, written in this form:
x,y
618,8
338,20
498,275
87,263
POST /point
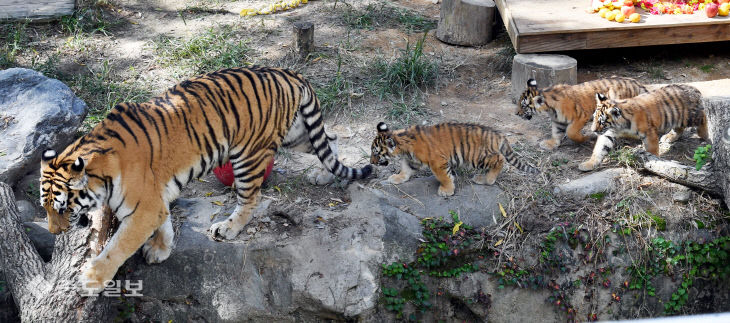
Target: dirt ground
x,y
131,49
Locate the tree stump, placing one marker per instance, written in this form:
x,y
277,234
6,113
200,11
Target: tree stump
x,y
466,22
304,38
49,292
546,69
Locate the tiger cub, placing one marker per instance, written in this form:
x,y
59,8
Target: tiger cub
x,y
137,160
667,110
571,106
443,147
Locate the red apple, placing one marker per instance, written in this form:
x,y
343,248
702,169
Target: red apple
x,y
630,3
711,10
627,11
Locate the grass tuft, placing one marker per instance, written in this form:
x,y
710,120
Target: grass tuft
x,y
407,72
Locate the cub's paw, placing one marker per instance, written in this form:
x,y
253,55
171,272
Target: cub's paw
x,y
587,165
92,282
154,252
548,144
320,176
397,179
225,230
444,192
483,179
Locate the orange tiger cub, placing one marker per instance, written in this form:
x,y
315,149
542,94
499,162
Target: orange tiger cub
x,y
443,147
667,110
571,106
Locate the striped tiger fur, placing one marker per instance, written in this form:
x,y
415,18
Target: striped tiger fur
x,y
667,110
443,147
571,106
141,155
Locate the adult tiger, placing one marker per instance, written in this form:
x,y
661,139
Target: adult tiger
x,y
141,155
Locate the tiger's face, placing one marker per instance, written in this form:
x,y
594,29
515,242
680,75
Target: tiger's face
x,y
382,147
526,105
607,114
64,193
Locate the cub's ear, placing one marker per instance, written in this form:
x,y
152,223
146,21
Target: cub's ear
x,y
390,142
78,165
382,127
531,83
47,156
616,112
600,98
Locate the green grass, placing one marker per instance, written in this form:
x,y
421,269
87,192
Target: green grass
x,y
214,49
707,68
409,71
382,15
14,39
101,89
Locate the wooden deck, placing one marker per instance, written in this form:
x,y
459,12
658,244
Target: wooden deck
x,y
556,25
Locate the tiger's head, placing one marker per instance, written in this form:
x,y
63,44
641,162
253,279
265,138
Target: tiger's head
x,y
608,113
526,105
383,146
64,192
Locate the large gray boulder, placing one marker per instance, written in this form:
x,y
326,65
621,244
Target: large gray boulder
x,y
36,113
317,265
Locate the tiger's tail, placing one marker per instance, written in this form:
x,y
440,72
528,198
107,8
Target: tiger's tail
x,y
515,159
314,125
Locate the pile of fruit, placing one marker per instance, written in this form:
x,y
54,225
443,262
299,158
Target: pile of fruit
x,y
676,7
625,10
618,11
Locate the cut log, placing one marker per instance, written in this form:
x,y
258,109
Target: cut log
x,y
466,22
546,69
35,9
304,38
49,292
675,172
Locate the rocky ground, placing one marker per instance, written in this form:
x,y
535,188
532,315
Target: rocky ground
x,y
562,249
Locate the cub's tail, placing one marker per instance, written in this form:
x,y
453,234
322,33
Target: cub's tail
x,y
515,159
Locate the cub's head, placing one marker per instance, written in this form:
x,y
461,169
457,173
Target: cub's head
x,y
608,113
64,192
383,146
526,105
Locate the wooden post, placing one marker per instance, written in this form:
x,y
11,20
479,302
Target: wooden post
x,y
466,22
546,69
304,38
47,292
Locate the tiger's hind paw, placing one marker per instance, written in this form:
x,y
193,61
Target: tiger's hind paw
x,y
320,176
155,254
548,144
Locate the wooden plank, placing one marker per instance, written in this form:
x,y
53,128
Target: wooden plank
x,y
34,9
509,23
554,25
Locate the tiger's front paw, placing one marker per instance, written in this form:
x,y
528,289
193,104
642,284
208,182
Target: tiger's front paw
x,y
444,191
587,165
549,144
91,280
397,179
154,253
226,230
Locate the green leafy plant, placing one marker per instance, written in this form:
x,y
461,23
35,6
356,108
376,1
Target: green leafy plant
x,y
702,155
410,70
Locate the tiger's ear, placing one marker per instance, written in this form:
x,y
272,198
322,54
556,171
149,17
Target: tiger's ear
x,y
531,83
47,156
600,98
78,165
382,127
